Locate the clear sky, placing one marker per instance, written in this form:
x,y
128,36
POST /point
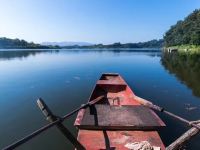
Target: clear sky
x,y
95,21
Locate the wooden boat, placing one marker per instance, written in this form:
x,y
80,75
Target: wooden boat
x,y
118,119
114,118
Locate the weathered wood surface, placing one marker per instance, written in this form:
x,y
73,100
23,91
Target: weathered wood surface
x,y
119,95
119,117
184,138
116,140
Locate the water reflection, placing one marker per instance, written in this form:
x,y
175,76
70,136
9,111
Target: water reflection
x,y
65,79
186,68
12,54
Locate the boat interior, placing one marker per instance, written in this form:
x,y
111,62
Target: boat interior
x,y
118,102
114,89
117,119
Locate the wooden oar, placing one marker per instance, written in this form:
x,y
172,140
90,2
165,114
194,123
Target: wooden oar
x,y
183,138
44,128
51,118
158,108
186,136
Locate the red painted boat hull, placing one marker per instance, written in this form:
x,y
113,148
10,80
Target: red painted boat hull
x,y
114,86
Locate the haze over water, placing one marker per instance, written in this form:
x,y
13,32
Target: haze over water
x,y
65,79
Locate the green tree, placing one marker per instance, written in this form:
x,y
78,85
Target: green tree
x,y
184,32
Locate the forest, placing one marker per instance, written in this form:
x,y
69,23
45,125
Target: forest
x,y
184,32
6,43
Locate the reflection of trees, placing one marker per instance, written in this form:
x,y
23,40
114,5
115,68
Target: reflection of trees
x,y
11,54
7,55
147,51
186,67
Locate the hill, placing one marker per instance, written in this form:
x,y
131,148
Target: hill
x,y
186,32
6,43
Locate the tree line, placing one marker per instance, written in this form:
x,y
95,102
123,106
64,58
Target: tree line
x,y
6,43
148,44
184,32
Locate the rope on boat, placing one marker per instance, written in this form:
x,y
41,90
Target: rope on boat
x,y
143,145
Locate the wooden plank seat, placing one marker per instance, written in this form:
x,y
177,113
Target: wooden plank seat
x,y
110,82
129,117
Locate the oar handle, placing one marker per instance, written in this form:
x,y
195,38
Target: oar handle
x,y
45,110
51,118
58,120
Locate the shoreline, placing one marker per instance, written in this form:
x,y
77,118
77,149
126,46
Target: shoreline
x,y
190,49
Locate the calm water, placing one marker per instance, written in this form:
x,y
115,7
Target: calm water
x,y
64,79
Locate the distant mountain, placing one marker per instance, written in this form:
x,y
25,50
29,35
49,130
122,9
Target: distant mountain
x,y
62,44
148,44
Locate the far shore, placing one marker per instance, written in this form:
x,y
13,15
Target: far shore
x,y
91,49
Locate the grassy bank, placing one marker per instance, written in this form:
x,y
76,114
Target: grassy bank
x,y
186,48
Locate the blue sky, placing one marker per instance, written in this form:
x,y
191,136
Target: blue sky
x,y
95,21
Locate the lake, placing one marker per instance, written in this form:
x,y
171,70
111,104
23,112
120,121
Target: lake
x,y
65,79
